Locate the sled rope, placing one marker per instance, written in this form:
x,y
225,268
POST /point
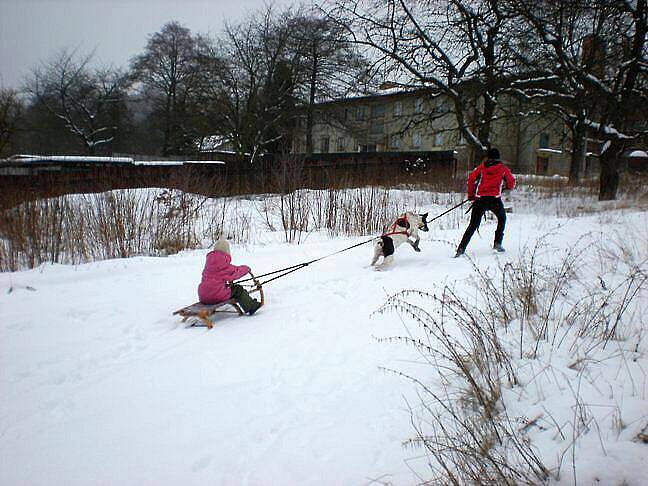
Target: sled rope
x,y
293,268
298,266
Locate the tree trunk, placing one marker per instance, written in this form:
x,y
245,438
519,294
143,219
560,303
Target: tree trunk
x,y
610,176
311,102
484,134
167,126
578,153
309,130
488,98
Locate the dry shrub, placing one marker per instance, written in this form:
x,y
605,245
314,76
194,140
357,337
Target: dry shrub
x,y
463,425
80,228
538,303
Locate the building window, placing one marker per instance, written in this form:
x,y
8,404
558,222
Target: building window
x,y
341,145
378,111
416,140
418,105
437,139
544,140
377,127
360,113
395,141
324,144
398,109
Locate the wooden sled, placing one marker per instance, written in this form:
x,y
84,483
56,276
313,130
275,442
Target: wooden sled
x,y
202,312
199,312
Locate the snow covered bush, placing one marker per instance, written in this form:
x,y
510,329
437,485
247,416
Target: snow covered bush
x,y
536,373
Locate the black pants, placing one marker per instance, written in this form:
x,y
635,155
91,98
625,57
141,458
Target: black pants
x,y
481,205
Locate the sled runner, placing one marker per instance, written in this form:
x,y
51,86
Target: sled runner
x,y
202,313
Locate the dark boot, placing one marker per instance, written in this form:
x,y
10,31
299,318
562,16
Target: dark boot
x,y
255,307
498,247
460,252
247,303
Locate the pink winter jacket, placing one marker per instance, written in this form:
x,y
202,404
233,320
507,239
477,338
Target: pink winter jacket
x,y
217,273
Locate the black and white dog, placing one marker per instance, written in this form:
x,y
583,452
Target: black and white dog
x,y
404,230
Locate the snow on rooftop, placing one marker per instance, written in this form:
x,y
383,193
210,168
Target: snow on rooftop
x,y
217,162
158,162
177,162
108,160
638,154
70,158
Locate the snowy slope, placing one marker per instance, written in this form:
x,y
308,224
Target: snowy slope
x,y
102,385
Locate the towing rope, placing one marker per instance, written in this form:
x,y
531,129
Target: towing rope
x,y
298,266
293,268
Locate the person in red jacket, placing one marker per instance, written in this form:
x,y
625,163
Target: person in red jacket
x,y
485,189
216,285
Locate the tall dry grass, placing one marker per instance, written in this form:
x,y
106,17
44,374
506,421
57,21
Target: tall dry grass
x,y
80,228
477,344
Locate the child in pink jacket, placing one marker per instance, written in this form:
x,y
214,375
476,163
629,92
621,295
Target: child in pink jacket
x,y
216,285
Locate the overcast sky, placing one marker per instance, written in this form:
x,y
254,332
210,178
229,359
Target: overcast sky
x,y
32,31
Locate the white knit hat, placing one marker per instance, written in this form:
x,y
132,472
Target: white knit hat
x,y
223,245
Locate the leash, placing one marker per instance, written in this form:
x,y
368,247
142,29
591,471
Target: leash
x,y
451,209
293,268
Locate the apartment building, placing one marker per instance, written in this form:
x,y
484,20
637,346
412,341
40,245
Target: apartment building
x,y
405,122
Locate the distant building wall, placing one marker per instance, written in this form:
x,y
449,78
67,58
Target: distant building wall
x,y
409,121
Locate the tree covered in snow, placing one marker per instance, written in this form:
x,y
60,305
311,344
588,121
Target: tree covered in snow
x,y
590,65
448,47
86,101
584,61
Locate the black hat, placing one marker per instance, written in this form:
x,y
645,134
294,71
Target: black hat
x,y
493,153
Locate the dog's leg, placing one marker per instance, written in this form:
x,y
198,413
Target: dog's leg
x,y
415,243
387,261
378,250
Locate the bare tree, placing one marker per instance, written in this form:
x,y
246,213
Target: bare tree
x,y
253,92
169,70
83,99
331,66
594,75
442,47
11,119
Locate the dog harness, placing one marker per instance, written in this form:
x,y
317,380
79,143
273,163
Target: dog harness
x,y
400,221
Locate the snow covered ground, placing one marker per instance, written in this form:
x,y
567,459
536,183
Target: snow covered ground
x,y
102,385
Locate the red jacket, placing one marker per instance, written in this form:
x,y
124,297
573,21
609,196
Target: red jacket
x,y
487,179
217,273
